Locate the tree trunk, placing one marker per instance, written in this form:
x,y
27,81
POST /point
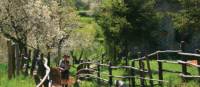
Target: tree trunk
x,y
59,51
11,60
126,52
17,59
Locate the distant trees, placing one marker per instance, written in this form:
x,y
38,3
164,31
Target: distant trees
x,y
127,23
187,22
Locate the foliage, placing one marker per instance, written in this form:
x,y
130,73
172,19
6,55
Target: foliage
x,y
86,4
187,20
82,4
86,42
37,23
127,23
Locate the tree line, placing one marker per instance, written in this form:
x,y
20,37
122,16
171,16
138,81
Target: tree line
x,y
148,25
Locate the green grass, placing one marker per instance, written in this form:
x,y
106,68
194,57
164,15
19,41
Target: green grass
x,y
21,81
18,81
88,84
87,20
174,79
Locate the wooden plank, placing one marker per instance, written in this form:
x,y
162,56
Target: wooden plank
x,y
192,55
166,61
189,76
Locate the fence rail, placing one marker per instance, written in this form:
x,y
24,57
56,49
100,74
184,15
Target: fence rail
x,y
145,74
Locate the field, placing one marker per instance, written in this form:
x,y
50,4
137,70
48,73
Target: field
x,y
19,81
174,79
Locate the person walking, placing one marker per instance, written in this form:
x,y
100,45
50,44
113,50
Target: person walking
x,y
64,66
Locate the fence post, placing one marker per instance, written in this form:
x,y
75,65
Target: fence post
x,y
149,72
141,67
160,70
110,74
133,73
98,72
184,66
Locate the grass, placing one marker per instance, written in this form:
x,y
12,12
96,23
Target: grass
x,y
88,84
21,81
18,81
174,79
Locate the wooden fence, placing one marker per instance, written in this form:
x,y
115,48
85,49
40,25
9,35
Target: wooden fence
x,y
145,74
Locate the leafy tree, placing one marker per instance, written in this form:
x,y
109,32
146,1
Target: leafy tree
x,y
187,20
37,23
127,23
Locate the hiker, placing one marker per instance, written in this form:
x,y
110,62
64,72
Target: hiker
x,y
64,66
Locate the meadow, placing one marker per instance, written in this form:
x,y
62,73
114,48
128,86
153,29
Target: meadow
x,y
18,81
174,80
